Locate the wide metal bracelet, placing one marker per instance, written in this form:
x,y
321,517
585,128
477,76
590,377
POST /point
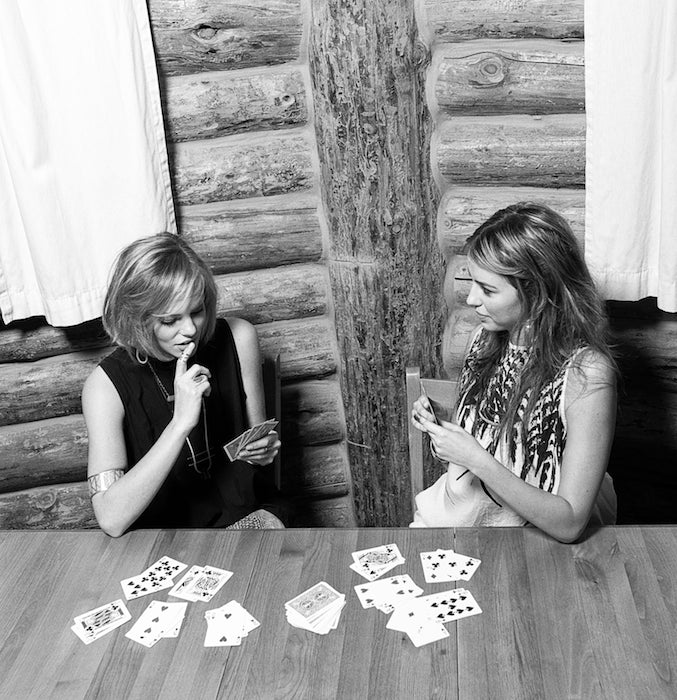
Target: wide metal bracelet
x,y
103,480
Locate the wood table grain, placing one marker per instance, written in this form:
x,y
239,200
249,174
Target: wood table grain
x,y
595,619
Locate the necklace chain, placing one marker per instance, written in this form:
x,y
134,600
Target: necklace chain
x,y
169,398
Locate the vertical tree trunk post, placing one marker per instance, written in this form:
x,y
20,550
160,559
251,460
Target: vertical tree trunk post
x,y
373,133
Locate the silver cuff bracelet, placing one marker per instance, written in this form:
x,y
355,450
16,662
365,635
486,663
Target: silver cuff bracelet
x,y
103,480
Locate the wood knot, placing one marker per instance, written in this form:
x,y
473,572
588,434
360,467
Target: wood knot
x,y
46,501
421,54
287,100
488,72
206,32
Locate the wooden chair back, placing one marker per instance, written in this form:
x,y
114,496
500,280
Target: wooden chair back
x,y
272,391
444,395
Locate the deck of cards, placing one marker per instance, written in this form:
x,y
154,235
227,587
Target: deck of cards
x,y
159,620
256,432
372,563
318,609
95,623
228,625
200,583
446,565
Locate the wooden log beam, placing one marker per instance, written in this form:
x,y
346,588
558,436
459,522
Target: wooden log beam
x,y
191,36
509,77
209,105
51,387
319,471
236,167
312,412
59,506
462,20
330,512
516,150
43,452
255,232
373,141
463,209
282,293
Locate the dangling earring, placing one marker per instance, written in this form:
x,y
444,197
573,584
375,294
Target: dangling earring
x,y
141,357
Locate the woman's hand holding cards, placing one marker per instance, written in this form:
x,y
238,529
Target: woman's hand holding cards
x,y
261,451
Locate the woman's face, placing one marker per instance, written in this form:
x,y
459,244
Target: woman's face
x,y
495,300
177,326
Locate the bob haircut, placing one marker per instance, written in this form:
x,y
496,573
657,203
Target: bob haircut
x,y
149,277
534,249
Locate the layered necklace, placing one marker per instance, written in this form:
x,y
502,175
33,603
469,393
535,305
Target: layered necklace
x,y
195,459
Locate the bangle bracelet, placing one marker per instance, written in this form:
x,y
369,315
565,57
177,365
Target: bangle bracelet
x,y
103,480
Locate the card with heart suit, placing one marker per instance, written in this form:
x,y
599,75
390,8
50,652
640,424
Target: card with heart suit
x,y
444,565
160,619
228,625
372,563
200,583
97,622
155,578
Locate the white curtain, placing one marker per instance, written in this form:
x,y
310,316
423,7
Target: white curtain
x,y
631,149
83,160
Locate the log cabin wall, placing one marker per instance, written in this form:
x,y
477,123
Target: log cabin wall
x,y
237,104
507,93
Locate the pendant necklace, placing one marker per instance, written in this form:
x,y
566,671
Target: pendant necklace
x,y
169,398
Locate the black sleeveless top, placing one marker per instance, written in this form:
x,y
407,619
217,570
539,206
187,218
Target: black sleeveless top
x,y
211,496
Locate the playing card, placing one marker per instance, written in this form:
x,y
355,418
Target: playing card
x,y
201,583
426,633
445,565
248,436
228,625
156,577
372,563
385,594
449,605
160,619
95,623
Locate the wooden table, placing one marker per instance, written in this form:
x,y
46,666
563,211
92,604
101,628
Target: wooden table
x,y
597,619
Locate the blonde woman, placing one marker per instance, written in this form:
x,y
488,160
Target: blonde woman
x,y
180,385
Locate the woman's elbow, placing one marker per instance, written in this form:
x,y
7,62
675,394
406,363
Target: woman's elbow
x,y
108,523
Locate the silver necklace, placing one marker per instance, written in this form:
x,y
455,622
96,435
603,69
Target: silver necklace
x,y
169,398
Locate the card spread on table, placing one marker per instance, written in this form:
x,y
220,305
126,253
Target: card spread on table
x,y
372,563
386,593
95,623
445,565
160,619
254,433
317,609
200,583
156,577
228,625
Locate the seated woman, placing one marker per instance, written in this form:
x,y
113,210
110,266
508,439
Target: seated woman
x,y
159,409
536,412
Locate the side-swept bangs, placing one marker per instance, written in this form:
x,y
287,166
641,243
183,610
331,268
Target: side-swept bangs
x,y
150,277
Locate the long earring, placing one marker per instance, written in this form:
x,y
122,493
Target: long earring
x,y
141,357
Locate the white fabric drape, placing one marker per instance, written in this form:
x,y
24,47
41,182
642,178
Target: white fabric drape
x,y
631,149
83,160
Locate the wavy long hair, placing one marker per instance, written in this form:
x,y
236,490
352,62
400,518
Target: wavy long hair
x,y
534,248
